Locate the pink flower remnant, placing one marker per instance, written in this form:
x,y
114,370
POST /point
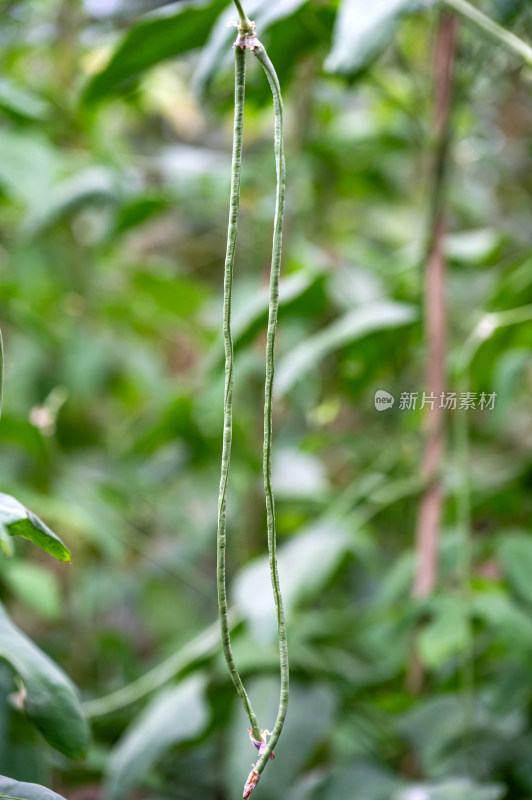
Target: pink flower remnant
x,y
253,779
261,746
248,39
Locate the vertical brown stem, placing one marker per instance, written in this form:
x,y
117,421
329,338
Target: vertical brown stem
x,y
428,522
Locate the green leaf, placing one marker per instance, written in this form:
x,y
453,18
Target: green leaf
x,y
94,186
255,305
435,730
175,715
472,246
251,305
1,372
136,210
28,167
50,698
454,789
509,373
16,790
298,474
6,545
35,586
362,30
5,542
305,564
432,727
170,293
21,102
264,12
515,552
17,520
122,10
505,619
375,783
159,37
354,325
312,711
446,635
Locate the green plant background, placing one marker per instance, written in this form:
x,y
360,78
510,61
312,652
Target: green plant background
x,y
115,131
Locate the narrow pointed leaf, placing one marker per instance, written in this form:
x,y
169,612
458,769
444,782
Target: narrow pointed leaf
x,y
17,520
355,325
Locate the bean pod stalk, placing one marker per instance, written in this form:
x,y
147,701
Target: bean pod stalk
x,y
247,39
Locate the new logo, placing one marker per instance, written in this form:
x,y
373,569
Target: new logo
x,y
383,400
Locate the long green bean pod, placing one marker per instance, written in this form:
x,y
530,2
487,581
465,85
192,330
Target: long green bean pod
x,y
247,39
259,51
240,80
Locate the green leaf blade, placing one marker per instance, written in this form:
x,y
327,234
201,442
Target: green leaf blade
x,y
1,372
175,715
362,30
17,520
18,790
356,324
155,39
22,102
50,700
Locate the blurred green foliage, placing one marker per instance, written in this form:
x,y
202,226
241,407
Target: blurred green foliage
x,y
114,176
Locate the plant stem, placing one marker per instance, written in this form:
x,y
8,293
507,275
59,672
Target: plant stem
x,y
268,67
245,23
199,648
465,562
508,39
487,326
240,80
428,523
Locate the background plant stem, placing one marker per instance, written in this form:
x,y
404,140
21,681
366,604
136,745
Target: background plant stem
x,y
463,518
506,37
428,522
